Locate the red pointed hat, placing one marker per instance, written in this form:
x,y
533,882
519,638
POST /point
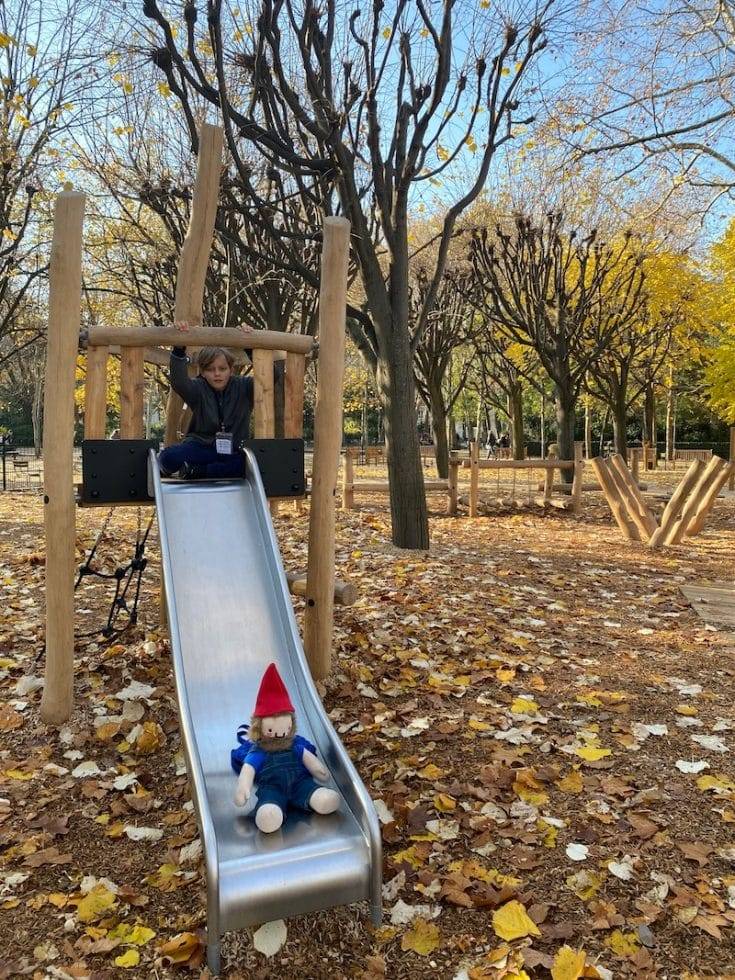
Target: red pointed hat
x,y
272,697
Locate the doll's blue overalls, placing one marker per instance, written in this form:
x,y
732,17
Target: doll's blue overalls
x,y
283,779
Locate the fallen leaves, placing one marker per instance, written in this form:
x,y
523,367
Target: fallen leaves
x,y
422,938
511,921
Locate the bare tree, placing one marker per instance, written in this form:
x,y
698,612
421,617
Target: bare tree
x,y
449,326
564,297
358,112
46,81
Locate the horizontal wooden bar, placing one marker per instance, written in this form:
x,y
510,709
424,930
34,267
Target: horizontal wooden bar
x,y
521,464
382,486
197,337
345,593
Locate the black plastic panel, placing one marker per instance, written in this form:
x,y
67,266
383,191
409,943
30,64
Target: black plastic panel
x,y
115,471
281,465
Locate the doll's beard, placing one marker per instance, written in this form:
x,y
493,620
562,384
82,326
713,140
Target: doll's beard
x,y
275,744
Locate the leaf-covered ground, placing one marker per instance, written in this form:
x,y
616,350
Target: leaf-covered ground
x,y
546,726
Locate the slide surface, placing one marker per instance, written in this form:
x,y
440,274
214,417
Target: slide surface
x,y
230,615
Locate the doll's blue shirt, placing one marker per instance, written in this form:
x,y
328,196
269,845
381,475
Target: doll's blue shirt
x,y
255,757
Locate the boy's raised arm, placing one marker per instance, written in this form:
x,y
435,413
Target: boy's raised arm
x,y
179,378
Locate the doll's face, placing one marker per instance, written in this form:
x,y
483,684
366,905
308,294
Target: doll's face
x,y
279,726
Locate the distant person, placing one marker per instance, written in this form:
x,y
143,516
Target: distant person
x,y
503,441
220,402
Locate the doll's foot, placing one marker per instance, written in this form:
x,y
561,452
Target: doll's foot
x,y
269,818
324,800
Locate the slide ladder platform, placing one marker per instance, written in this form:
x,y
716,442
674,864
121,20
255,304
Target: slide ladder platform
x,y
230,615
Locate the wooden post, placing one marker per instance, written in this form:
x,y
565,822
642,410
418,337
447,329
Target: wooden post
x,y
638,509
474,476
676,503
612,494
264,423
635,460
319,613
348,490
453,481
548,484
95,393
197,246
65,298
577,484
708,501
132,392
293,421
731,482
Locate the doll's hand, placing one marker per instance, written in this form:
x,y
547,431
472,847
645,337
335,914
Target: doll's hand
x,y
242,795
246,328
182,325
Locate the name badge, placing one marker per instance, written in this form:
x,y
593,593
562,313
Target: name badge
x,y
223,443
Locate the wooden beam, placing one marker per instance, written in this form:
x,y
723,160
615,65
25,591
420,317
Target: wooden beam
x,y
95,393
521,464
193,261
132,393
548,483
731,482
610,488
198,336
638,510
345,593
693,501
293,423
348,478
319,613
474,477
453,484
676,504
577,485
708,500
382,486
64,306
264,423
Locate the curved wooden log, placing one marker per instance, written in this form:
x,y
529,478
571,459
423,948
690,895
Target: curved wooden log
x,y
708,500
677,503
638,509
609,485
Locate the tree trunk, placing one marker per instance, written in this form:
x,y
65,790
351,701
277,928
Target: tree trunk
x,y
37,411
543,424
670,416
410,524
439,428
515,411
587,427
565,405
620,428
649,416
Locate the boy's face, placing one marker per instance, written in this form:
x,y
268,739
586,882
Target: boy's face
x,y
218,373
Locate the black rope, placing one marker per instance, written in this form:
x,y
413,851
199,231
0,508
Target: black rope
x,y
123,577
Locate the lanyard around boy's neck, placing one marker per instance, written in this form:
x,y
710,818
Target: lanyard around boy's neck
x,y
219,397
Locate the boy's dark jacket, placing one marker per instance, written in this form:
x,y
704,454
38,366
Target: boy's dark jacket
x,y
235,403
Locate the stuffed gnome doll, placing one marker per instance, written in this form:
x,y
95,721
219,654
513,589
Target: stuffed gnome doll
x,y
281,765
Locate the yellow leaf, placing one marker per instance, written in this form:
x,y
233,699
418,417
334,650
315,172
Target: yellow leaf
x,y
524,706
441,152
6,40
717,783
128,959
131,935
127,87
568,964
181,948
572,782
688,710
32,50
511,921
478,726
150,739
95,904
431,772
505,71
387,32
505,674
113,59
18,774
423,938
594,702
591,753
584,884
550,833
623,943
409,855
164,90
424,32
444,803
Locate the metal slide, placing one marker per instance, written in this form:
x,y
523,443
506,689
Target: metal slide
x,y
230,615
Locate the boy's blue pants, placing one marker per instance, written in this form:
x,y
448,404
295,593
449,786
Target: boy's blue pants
x,y
215,465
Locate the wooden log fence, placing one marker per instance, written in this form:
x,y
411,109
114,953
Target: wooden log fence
x,y
685,512
549,465
351,486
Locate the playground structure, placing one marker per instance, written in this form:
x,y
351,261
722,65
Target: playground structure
x,y
226,593
351,486
685,512
474,464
